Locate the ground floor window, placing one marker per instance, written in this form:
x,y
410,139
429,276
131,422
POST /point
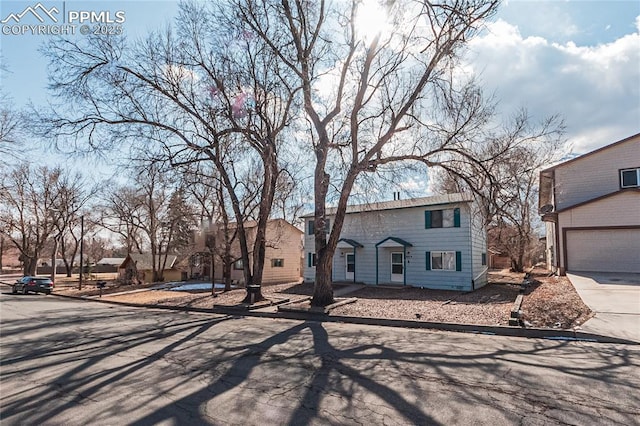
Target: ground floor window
x,y
311,260
238,265
444,260
277,263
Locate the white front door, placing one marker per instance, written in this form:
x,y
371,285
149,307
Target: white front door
x,y
397,267
351,266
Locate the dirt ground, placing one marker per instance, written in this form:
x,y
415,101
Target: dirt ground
x,y
551,301
548,301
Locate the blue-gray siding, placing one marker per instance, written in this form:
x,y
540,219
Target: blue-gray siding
x,y
478,248
369,228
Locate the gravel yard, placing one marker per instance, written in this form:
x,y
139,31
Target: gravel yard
x,y
553,302
489,305
548,302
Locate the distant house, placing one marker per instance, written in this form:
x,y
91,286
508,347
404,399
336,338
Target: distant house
x,y
141,266
108,264
283,253
591,208
498,260
433,242
111,261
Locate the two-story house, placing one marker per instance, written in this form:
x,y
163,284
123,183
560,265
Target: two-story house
x,y
282,252
434,242
591,208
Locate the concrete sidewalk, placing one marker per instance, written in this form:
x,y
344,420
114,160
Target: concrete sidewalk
x,y
615,299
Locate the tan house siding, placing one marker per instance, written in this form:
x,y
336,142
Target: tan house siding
x,y
619,210
622,208
283,241
594,175
582,200
287,247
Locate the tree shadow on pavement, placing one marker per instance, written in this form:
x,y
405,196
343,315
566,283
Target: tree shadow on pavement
x,y
203,370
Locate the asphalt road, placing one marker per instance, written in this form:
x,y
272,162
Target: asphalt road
x,y
68,362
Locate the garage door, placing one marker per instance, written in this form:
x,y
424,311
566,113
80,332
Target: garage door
x,y
610,250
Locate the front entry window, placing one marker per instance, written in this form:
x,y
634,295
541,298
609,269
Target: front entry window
x,y
397,267
351,266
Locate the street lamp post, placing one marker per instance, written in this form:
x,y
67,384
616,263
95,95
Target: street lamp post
x,y
54,259
81,250
56,239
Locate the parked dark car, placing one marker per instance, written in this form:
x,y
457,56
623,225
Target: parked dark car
x,y
34,285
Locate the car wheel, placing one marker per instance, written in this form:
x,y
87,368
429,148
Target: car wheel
x,y
48,292
24,290
14,290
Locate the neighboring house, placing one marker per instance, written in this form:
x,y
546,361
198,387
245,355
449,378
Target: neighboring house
x,y
10,257
111,261
142,264
283,252
591,208
433,242
498,260
108,264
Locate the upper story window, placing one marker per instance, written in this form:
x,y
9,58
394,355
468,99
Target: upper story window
x,y
311,227
238,264
630,178
277,263
448,218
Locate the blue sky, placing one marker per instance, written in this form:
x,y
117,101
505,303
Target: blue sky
x,y
580,59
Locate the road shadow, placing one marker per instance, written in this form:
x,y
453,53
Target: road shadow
x,y
315,373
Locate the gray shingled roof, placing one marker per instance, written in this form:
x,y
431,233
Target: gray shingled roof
x,y
433,200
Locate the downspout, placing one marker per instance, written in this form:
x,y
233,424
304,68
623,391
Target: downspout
x,y
354,264
404,264
471,213
376,265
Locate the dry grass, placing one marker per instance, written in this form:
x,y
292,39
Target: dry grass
x,y
553,302
549,302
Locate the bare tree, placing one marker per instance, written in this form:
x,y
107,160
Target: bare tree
x,y
162,216
196,93
27,200
74,192
207,190
121,216
374,98
507,184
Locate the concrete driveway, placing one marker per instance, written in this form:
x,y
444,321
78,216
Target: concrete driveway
x,y
615,298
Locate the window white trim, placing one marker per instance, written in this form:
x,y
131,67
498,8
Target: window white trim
x,y
443,261
623,171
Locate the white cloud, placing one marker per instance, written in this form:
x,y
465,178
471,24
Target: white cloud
x,y
595,88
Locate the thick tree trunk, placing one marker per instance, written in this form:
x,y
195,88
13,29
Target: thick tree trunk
x,y
323,288
270,163
67,268
212,272
237,211
326,248
30,265
226,273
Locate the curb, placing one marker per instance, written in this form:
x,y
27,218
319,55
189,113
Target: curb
x,y
532,333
